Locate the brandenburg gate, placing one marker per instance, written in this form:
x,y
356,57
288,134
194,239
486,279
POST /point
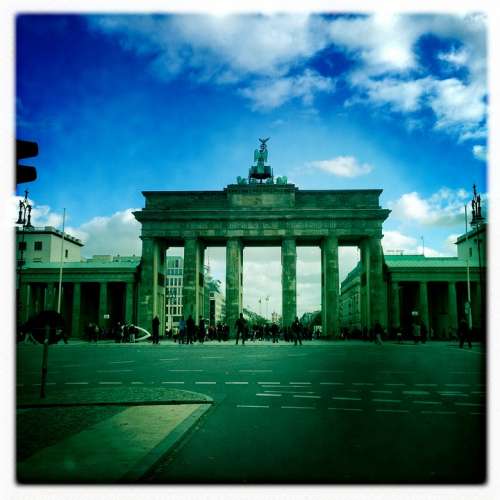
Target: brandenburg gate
x,y
253,213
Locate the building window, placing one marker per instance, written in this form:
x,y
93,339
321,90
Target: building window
x,y
470,251
66,253
38,246
21,246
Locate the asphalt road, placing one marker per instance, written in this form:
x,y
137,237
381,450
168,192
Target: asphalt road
x,y
337,412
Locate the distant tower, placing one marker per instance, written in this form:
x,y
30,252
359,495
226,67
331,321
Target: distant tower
x,y
260,171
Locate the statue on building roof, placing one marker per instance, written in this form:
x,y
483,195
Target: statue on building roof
x,y
260,171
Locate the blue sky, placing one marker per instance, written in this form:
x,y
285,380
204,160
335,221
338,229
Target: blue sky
x,y
121,104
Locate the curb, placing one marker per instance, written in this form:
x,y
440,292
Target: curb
x,y
164,447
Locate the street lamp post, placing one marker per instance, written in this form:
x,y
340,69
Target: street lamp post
x,y
24,220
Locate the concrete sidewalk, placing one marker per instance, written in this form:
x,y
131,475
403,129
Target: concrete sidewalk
x,y
117,446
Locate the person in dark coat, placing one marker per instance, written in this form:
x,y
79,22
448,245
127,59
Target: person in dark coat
x,y
464,333
296,331
201,331
190,329
156,330
241,329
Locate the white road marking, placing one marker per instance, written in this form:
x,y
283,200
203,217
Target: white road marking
x,y
291,392
299,407
296,355
269,383
212,357
110,383
306,396
346,398
402,371
363,383
391,411
398,384
236,383
453,394
431,412
457,385
172,382
386,400
76,383
416,393
119,362
469,404
331,383
179,370
346,409
381,392
425,385
476,413
113,371
252,406
325,371
168,359
205,383
267,394
299,383
46,383
255,371
428,402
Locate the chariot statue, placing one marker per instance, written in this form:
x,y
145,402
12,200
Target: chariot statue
x,y
260,170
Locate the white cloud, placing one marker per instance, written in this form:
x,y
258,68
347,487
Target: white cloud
x,y
395,242
480,152
272,93
342,166
443,208
454,57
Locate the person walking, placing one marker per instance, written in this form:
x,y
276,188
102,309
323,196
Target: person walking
x,y
464,333
201,331
274,332
182,331
156,330
190,329
378,331
241,329
416,332
297,331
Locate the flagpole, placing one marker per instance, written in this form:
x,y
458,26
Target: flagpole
x,y
469,312
61,265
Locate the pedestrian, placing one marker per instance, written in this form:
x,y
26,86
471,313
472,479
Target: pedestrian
x,y
464,333
190,329
132,333
399,335
378,331
416,332
241,329
156,330
274,332
182,331
97,331
296,331
423,332
201,331
220,333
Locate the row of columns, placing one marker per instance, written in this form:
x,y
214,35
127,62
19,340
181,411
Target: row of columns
x,y
371,254
424,304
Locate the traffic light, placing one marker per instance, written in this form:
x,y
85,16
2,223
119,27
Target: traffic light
x,y
25,149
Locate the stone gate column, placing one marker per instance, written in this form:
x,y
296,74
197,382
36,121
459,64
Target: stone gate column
x,y
424,304
103,304
129,302
233,282
289,280
330,286
452,308
190,292
395,307
50,297
148,283
75,311
201,282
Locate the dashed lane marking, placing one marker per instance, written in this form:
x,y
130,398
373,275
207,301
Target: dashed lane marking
x,y
137,383
457,385
168,359
469,404
453,394
291,392
76,383
345,409
205,383
299,407
376,400
267,394
331,383
212,357
236,383
428,402
425,385
346,398
269,383
434,412
110,383
113,371
383,410
46,383
299,383
119,362
255,371
325,371
417,393
306,396
181,370
252,406
381,391
394,384
172,382
363,383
